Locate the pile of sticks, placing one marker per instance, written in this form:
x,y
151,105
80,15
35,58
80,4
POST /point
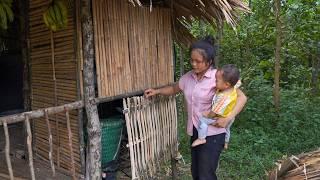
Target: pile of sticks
x,y
304,166
152,133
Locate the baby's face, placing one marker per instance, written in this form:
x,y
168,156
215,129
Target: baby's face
x,y
220,83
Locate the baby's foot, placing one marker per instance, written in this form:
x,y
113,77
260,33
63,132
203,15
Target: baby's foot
x,y
225,146
198,142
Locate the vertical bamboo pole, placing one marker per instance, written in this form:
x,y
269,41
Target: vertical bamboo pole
x,y
147,128
130,143
29,141
55,96
137,134
142,134
70,144
7,149
50,143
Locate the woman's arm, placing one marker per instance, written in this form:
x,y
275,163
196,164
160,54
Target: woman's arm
x,y
167,90
241,101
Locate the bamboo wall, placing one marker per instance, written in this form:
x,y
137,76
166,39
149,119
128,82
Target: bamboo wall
x,y
53,72
133,47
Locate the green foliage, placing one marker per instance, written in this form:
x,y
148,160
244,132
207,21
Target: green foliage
x,y
6,14
259,138
257,142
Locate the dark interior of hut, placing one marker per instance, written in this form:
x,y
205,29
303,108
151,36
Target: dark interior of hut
x,y
11,72
120,166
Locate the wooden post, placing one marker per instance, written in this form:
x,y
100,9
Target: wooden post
x,y
50,143
29,141
73,170
93,159
23,28
6,133
78,49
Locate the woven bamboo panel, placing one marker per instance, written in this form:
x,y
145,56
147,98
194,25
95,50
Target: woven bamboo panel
x,y
53,82
133,47
152,134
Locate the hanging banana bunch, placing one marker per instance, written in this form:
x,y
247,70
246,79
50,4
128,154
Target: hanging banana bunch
x,y
56,16
6,13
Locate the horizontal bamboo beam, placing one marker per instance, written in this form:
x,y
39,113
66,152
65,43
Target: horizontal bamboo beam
x,y
40,112
71,106
117,97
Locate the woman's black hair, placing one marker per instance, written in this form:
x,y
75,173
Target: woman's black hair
x,y
206,48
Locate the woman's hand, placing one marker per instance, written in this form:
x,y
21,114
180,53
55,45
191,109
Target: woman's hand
x,y
167,91
222,122
150,92
205,113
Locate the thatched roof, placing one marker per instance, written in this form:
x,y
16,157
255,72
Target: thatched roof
x,y
303,166
210,11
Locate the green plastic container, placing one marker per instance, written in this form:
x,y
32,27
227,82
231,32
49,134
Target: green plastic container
x,y
111,129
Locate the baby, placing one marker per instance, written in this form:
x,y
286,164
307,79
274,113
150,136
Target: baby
x,y
227,80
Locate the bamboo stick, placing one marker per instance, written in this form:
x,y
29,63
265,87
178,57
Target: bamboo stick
x,y
50,143
128,124
70,144
136,135
146,127
7,150
29,142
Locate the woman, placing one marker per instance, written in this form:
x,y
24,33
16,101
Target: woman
x,y
198,86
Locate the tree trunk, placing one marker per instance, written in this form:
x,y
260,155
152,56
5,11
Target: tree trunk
x,y
219,40
276,91
247,57
315,72
93,163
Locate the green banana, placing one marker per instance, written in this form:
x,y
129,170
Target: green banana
x,y
52,14
45,19
54,27
58,15
50,20
64,12
8,11
3,18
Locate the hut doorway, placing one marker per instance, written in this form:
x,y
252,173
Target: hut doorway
x,y
11,76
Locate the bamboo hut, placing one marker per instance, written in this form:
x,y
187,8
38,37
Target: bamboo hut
x,y
110,50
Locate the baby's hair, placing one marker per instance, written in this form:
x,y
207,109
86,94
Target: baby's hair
x,y
230,74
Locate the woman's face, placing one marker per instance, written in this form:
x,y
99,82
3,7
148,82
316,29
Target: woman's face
x,y
198,63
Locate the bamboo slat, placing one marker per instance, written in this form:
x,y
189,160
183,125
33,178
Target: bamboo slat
x,y
152,133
